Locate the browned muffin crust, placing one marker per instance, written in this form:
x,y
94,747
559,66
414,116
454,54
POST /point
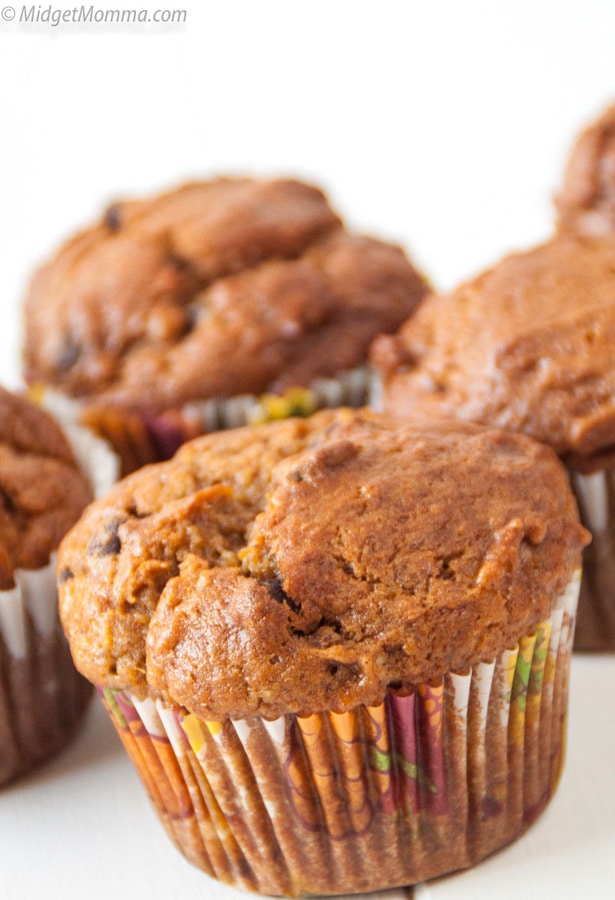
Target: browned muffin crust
x,y
586,200
42,492
210,290
527,345
311,564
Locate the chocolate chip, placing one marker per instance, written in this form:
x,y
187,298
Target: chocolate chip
x,y
69,354
192,315
274,586
6,501
65,575
112,546
113,217
347,671
178,262
135,513
109,544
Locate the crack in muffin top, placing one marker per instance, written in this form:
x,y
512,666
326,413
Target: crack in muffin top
x,y
42,491
311,564
214,289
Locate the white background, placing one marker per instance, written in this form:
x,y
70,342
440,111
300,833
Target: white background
x,y
441,125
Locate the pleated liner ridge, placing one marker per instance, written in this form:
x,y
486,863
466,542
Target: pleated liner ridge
x,y
429,781
42,696
140,438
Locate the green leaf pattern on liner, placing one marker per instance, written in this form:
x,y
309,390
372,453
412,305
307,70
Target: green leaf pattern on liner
x,y
541,651
521,681
297,401
385,762
114,708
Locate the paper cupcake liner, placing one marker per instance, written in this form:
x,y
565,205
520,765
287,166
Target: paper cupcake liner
x,y
346,389
429,781
595,631
42,696
141,439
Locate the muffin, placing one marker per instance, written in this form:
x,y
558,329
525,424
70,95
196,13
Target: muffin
x,y
209,306
43,490
528,346
335,648
586,200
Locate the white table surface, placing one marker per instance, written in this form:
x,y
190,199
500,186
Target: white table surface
x,y
443,126
82,827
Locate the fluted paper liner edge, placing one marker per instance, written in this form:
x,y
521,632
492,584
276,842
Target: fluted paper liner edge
x,y
427,782
42,696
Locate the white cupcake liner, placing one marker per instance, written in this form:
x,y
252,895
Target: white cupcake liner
x,y
429,781
94,455
42,697
140,438
350,388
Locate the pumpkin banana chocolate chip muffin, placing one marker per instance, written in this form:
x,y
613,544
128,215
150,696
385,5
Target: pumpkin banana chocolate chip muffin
x,y
211,305
529,346
336,648
43,490
586,200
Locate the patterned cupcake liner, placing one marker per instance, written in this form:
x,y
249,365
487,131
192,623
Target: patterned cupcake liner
x,y
140,439
595,630
42,696
429,781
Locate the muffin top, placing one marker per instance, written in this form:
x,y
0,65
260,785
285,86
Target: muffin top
x,y
527,345
586,200
42,492
311,564
213,289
